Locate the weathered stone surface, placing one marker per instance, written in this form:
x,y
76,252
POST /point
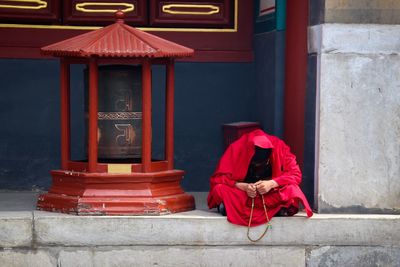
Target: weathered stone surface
x,y
358,158
354,38
24,258
359,119
206,228
250,255
201,256
77,258
354,256
156,256
15,229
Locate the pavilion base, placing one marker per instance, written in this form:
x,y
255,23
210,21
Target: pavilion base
x,y
83,193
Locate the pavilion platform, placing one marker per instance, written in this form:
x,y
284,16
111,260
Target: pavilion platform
x,y
196,238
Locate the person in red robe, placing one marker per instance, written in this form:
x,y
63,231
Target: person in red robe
x,y
229,184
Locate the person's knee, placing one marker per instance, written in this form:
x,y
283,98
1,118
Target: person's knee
x,y
288,190
221,188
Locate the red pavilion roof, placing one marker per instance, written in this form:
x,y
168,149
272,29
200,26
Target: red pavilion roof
x,y
117,40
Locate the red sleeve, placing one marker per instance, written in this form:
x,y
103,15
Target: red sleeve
x,y
291,173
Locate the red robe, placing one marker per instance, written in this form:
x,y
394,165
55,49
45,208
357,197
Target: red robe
x,y
232,168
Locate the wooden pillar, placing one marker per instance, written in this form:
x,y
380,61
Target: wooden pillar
x,y
146,116
169,116
65,114
93,108
296,76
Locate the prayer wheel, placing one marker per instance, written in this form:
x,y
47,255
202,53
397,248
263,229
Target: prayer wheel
x,y
119,113
119,176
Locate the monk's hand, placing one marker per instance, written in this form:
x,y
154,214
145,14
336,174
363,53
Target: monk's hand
x,y
264,187
250,189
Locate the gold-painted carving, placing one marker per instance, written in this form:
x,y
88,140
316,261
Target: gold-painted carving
x,y
176,9
24,4
85,7
119,115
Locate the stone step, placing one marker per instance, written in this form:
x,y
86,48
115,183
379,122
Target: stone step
x,y
196,238
20,229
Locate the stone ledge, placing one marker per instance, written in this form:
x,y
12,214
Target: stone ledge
x,y
195,228
209,228
335,38
196,238
27,228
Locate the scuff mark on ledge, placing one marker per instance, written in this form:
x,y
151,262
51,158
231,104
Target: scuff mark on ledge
x,y
325,207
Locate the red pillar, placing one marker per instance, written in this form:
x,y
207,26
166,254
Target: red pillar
x,y
169,116
296,75
93,109
146,116
65,114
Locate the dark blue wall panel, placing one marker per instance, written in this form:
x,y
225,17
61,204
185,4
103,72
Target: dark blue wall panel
x,y
309,130
264,49
29,132
269,51
206,96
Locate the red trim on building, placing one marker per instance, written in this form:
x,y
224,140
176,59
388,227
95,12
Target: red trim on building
x,y
296,76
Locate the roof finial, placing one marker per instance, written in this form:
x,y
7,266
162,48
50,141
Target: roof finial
x,y
120,15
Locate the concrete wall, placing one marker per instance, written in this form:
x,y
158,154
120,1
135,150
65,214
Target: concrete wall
x,y
206,96
358,117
